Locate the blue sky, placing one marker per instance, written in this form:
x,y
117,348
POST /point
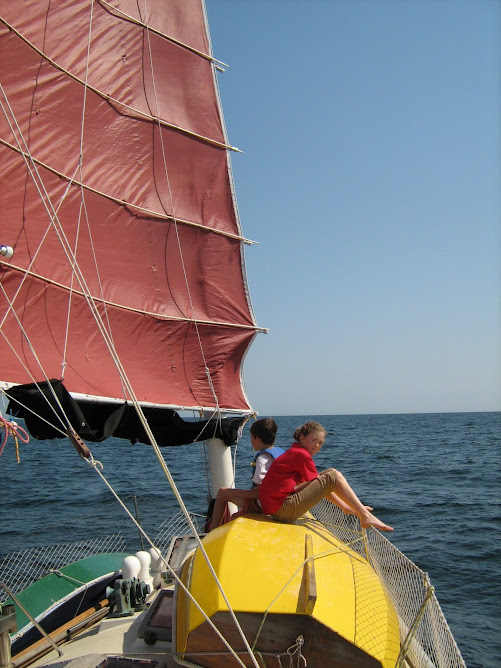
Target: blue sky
x,y
371,179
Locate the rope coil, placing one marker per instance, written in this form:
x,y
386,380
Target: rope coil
x,y
17,432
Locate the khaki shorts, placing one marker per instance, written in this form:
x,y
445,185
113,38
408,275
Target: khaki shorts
x,y
299,503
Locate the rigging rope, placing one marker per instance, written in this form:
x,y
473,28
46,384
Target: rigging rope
x,y
79,167
98,467
83,207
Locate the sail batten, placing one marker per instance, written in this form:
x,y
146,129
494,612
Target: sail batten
x,y
101,301
128,107
120,103
157,214
207,56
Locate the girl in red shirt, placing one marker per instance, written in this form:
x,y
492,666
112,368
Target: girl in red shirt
x,y
293,485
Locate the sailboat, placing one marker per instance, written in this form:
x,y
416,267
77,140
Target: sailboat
x,y
124,305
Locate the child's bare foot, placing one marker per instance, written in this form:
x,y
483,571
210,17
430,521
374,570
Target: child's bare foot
x,y
370,520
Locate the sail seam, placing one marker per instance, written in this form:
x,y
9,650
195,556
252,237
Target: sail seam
x,y
125,203
113,100
120,14
105,302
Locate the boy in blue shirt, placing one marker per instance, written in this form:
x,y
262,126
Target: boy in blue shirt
x,y
263,433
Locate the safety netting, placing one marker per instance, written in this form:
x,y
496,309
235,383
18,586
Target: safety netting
x,y
425,637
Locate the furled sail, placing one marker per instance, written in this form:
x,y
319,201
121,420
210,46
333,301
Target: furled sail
x,y
117,198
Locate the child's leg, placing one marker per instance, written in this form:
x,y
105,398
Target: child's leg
x,y
346,494
300,502
328,481
217,512
220,508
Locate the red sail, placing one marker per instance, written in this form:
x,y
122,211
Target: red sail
x,y
113,152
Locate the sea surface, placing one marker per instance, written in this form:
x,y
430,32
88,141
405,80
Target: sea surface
x,y
435,477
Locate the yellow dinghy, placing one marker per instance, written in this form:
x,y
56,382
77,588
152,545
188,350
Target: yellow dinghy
x,y
295,589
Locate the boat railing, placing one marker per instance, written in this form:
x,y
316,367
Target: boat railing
x,y
426,639
20,569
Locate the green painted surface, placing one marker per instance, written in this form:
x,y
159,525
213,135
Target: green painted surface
x,y
52,588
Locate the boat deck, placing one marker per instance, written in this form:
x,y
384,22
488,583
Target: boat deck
x,y
120,642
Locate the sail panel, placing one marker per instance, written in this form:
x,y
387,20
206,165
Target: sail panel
x,y
168,350
123,56
125,156
141,260
144,203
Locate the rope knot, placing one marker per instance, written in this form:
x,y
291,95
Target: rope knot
x,y
95,463
295,650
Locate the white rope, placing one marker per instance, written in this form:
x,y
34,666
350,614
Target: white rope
x,y
77,234
89,33
83,206
98,467
63,363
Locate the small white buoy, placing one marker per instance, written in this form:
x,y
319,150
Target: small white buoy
x,y
130,568
144,574
157,566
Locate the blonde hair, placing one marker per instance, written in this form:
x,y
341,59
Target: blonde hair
x,y
308,428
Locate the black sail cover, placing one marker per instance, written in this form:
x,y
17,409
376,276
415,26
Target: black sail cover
x,y
95,422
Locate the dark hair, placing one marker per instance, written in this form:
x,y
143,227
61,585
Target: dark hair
x,y
265,429
307,429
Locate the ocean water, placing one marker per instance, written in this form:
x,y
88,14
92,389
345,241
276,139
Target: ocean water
x,y
435,477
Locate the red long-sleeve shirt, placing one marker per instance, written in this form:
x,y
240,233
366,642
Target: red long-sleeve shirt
x,y
285,473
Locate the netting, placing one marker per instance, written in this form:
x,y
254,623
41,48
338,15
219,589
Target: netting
x,y
20,569
425,636
176,526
